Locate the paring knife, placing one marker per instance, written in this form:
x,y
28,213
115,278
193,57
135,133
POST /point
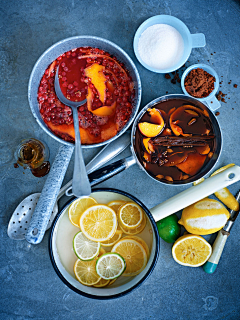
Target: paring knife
x,y
217,249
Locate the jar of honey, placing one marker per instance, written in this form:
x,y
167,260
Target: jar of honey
x,y
33,154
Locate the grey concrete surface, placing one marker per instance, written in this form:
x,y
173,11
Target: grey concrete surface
x,y
29,286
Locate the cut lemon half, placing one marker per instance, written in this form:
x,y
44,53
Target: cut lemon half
x,y
98,223
191,250
130,215
110,266
134,231
85,272
84,248
134,255
77,207
117,236
116,204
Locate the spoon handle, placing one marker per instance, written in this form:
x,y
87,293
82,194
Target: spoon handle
x,y
80,185
46,202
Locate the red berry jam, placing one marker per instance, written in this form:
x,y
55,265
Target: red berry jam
x,y
92,74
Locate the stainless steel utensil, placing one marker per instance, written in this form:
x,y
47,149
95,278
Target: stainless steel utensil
x,y
21,217
80,183
219,243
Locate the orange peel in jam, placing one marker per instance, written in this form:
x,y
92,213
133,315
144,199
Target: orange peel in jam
x,y
98,79
102,111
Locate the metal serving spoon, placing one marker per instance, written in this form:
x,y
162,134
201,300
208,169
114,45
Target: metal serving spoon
x,y
80,185
21,217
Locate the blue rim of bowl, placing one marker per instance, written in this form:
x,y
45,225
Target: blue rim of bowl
x,y
206,68
151,268
139,33
38,117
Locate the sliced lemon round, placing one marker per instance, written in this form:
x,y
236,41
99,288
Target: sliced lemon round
x,y
84,248
137,230
101,252
130,215
102,283
117,236
112,281
77,207
133,253
116,204
85,272
191,250
141,241
110,266
98,223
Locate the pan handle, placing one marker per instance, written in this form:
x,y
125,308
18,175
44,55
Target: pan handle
x,y
46,202
111,170
196,193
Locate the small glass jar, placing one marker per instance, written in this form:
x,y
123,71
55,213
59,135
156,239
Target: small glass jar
x,y
33,154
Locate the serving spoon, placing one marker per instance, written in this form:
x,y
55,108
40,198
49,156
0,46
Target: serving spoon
x,y
80,184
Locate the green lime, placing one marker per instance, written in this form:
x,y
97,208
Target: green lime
x,y
168,228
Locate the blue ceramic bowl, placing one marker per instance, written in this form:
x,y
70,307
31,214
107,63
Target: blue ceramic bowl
x,y
211,99
190,40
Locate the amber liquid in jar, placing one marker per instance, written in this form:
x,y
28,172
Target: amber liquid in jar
x,y
33,154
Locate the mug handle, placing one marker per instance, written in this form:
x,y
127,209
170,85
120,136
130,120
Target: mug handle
x,y
196,193
198,40
213,103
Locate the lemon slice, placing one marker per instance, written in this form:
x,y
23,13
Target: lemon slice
x,y
102,283
101,252
116,204
137,230
191,250
130,215
134,255
85,272
112,281
98,223
141,241
84,248
77,207
117,236
110,266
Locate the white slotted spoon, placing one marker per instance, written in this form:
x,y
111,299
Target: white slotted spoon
x,y
21,217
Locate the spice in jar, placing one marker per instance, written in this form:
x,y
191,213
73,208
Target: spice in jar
x,y
199,83
33,154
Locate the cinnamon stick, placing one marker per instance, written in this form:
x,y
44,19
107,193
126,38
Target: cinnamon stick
x,y
180,141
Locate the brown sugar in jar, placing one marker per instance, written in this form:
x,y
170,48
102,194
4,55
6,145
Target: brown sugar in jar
x,y
199,83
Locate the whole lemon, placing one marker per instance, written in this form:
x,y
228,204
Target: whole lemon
x,y
204,217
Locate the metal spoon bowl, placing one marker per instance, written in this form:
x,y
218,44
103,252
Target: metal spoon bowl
x,y
80,184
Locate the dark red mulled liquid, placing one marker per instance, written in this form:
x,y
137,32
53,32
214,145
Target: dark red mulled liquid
x,y
184,146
